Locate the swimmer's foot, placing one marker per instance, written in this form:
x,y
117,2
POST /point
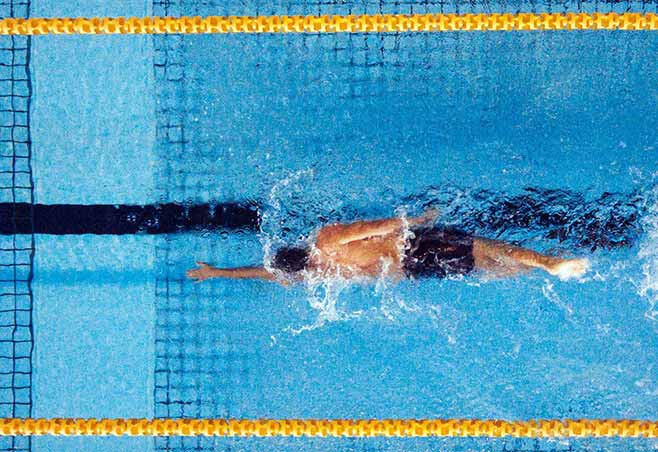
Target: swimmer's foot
x,y
569,268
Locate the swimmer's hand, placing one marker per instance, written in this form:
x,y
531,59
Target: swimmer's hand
x,y
569,268
205,271
429,216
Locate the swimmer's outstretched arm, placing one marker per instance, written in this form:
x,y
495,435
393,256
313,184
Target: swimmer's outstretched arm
x,y
206,271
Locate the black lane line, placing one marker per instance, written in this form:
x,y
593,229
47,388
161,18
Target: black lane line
x,y
62,219
611,221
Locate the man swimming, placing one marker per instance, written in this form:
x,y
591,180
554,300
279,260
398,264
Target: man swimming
x,y
397,248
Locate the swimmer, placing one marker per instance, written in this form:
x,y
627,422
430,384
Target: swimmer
x,y
398,248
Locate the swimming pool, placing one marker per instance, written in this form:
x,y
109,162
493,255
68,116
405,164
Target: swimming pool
x,y
316,128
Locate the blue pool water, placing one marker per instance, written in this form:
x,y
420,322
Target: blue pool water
x,y
338,127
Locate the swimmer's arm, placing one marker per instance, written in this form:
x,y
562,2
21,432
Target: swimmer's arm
x,y
206,271
336,235
344,234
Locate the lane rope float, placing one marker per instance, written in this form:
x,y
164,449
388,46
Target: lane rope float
x,y
543,428
366,23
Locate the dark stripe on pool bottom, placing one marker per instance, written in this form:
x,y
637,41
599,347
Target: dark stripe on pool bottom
x,y
62,219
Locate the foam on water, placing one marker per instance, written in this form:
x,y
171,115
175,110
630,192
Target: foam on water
x,y
549,292
323,296
648,255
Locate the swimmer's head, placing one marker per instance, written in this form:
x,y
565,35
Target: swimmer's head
x,y
291,259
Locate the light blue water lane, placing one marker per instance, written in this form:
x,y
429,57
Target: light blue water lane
x,y
93,111
93,334
93,133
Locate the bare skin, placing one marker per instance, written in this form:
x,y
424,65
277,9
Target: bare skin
x,y
370,248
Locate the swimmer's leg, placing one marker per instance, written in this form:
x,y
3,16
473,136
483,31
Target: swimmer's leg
x,y
503,259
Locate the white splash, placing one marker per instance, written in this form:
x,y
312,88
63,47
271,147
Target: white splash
x,y
648,255
551,295
323,295
283,206
391,306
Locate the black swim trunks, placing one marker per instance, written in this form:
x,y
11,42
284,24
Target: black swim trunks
x,y
438,252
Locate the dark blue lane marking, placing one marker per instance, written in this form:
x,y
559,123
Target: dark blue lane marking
x,y
62,219
610,221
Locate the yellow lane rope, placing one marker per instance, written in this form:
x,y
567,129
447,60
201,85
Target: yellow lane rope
x,y
331,24
332,427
